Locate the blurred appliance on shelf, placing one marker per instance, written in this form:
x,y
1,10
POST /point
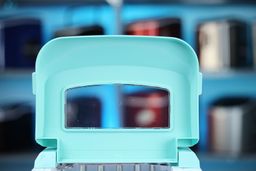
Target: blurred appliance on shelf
x,y
20,42
83,112
80,31
170,27
222,45
149,109
232,126
16,128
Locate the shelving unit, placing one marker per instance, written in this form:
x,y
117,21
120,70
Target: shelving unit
x,y
53,17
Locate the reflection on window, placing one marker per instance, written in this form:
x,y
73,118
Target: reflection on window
x,y
83,112
146,109
117,106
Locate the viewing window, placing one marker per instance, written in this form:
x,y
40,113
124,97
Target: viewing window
x,y
117,106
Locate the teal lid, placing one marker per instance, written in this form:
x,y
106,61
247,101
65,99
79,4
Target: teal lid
x,y
71,62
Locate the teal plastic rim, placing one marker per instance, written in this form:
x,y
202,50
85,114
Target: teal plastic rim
x,y
163,62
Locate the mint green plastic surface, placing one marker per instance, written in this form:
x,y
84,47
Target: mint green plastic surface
x,y
71,62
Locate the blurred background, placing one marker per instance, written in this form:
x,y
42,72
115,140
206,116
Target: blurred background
x,y
222,32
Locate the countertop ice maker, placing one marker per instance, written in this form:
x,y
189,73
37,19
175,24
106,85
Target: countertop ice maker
x,y
169,64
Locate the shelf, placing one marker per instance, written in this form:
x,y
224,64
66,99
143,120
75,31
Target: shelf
x,y
229,73
16,72
17,161
16,86
211,162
